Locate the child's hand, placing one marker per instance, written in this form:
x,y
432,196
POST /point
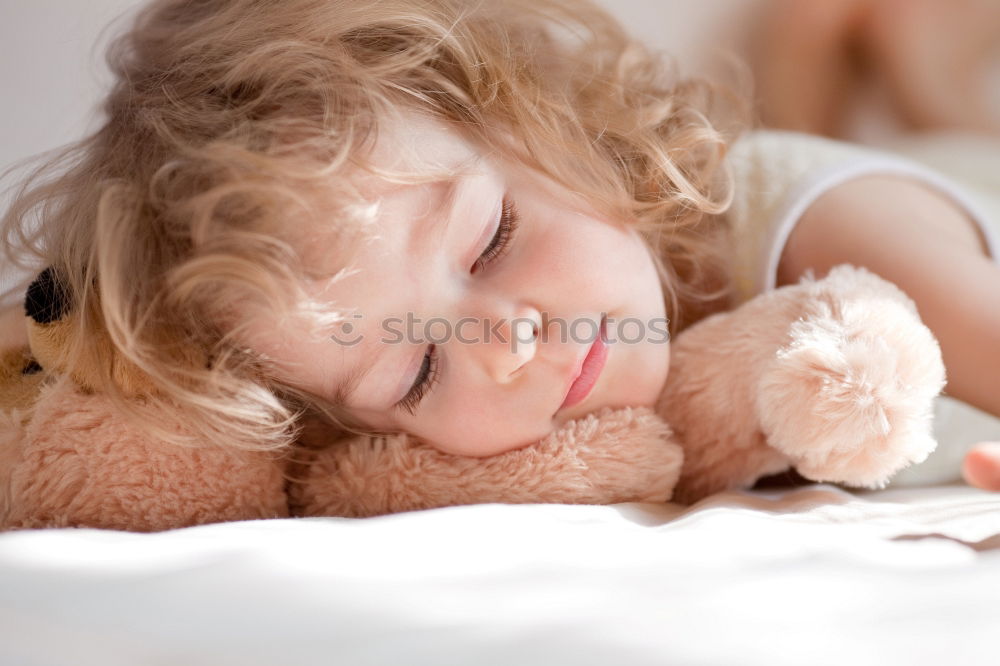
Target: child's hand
x,y
982,466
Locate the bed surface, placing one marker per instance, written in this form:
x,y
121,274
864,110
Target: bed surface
x,y
807,575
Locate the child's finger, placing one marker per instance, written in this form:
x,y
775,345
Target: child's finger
x,y
981,467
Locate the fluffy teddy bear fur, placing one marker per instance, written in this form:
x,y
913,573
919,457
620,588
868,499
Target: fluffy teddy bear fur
x,y
74,462
835,378
623,455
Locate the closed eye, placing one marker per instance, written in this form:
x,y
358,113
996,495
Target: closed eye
x,y
501,241
498,246
425,381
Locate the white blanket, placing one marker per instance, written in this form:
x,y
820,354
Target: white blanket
x,y
808,576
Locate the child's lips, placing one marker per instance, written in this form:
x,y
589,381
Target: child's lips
x,y
589,371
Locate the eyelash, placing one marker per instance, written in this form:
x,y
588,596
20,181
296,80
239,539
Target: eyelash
x,y
426,379
502,239
428,376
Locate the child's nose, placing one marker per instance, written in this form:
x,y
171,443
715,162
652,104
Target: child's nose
x,y
509,345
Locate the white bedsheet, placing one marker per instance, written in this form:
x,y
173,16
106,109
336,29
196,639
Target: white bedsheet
x,y
808,576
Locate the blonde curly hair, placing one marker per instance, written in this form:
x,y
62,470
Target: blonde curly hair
x,y
231,120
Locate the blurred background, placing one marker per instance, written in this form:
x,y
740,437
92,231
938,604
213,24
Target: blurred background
x,y
866,70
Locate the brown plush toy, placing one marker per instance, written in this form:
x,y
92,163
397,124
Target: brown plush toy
x,y
67,458
833,377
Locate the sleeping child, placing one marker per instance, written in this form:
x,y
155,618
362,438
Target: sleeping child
x,y
472,222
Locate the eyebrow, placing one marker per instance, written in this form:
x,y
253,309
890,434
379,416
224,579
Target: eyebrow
x,y
442,210
437,220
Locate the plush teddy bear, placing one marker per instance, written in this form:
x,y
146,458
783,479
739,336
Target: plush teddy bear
x,y
834,378
68,458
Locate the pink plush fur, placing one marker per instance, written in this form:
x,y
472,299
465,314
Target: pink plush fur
x,y
850,397
835,377
611,456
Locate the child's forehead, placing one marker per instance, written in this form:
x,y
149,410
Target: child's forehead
x,y
411,148
411,152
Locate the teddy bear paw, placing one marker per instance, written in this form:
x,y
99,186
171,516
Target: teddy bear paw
x,y
850,398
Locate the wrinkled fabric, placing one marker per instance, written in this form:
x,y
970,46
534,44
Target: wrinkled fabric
x,y
809,575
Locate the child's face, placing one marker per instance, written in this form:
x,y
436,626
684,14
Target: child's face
x,y
563,265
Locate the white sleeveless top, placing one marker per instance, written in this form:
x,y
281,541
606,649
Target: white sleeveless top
x,y
778,175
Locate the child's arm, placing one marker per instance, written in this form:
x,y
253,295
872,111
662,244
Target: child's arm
x,y
923,242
